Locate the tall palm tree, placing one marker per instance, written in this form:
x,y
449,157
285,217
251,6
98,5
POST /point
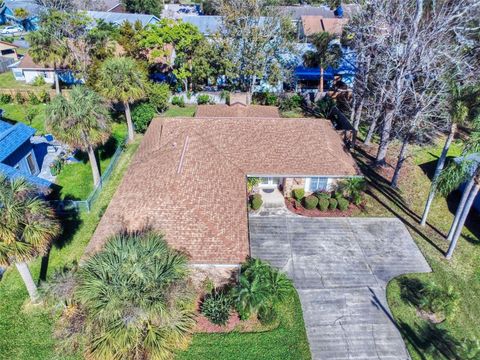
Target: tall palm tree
x,y
27,228
458,116
137,299
122,79
81,121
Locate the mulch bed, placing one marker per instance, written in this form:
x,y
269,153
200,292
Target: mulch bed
x,y
351,211
234,324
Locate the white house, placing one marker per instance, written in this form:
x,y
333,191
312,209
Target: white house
x,y
27,70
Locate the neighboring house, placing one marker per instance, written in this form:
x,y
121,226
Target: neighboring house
x,y
188,180
120,18
313,24
8,50
208,24
179,11
7,13
27,70
17,155
100,5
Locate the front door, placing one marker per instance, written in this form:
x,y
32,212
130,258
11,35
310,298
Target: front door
x,y
270,182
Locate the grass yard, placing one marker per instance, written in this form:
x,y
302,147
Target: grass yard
x,y
26,331
462,272
75,180
177,111
288,341
7,81
18,112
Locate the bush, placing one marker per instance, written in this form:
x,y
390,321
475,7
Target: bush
x,y
204,99
264,98
323,195
324,106
298,194
353,189
216,307
256,201
19,99
44,96
33,99
142,115
332,203
291,102
56,167
31,113
310,202
267,315
225,95
158,96
39,81
178,100
5,98
323,204
343,204
437,300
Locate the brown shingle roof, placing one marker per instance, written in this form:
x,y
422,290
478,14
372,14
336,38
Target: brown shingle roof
x,y
188,179
313,24
28,63
237,110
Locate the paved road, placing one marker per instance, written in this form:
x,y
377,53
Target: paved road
x,y
340,267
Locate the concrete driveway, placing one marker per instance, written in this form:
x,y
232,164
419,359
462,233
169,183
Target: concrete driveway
x,y
340,267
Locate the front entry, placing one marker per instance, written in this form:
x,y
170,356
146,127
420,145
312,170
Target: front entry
x,y
270,182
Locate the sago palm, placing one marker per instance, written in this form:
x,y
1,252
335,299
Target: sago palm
x,y
81,121
27,228
137,299
122,79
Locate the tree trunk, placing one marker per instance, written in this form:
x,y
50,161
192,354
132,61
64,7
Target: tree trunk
x,y
128,115
57,81
401,159
357,115
320,86
438,171
94,165
371,131
24,271
384,139
458,231
460,208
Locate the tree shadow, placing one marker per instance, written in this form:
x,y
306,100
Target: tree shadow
x,y
411,290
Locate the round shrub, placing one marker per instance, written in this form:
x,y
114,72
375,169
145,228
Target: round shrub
x,y
43,96
298,194
323,204
33,99
310,202
343,204
5,98
256,201
216,307
142,115
158,96
332,203
19,99
323,195
39,81
204,99
178,100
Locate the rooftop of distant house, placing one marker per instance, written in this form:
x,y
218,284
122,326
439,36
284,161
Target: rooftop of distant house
x,y
188,178
313,24
119,18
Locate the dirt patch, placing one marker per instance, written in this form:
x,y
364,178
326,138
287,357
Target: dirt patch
x,y
431,317
352,210
233,324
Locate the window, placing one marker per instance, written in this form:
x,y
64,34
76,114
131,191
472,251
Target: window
x,y
316,184
31,164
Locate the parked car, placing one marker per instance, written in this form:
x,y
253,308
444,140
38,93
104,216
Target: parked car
x,y
9,30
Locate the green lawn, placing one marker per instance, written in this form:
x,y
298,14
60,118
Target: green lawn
x,y
75,180
288,341
26,332
7,81
17,113
177,111
462,272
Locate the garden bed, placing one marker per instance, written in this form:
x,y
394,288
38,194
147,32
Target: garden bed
x,y
234,324
300,210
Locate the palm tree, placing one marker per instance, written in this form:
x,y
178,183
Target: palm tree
x,y
27,228
122,79
458,116
136,298
81,121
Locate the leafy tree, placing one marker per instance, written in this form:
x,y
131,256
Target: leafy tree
x,y
27,228
152,7
23,15
159,96
81,121
142,115
327,53
122,79
137,300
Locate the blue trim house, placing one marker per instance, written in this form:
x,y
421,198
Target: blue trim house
x,y
7,13
17,155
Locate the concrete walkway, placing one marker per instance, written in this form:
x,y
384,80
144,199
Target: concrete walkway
x,y
340,267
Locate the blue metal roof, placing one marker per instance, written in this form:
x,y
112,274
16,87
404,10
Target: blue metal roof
x,y
13,173
206,24
120,18
12,137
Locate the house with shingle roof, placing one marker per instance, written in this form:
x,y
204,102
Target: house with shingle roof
x,y
17,155
118,18
188,179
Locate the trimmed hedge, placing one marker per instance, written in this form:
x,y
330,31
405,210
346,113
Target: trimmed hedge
x,y
142,115
333,203
298,194
323,204
310,202
343,204
256,201
323,195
